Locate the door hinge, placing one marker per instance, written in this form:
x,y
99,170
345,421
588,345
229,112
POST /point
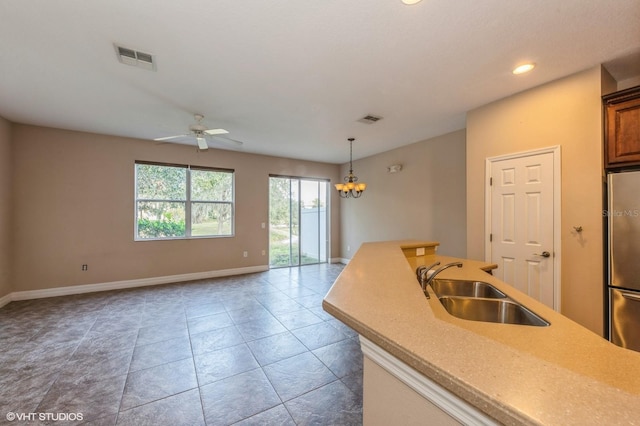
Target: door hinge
x,y
490,238
490,181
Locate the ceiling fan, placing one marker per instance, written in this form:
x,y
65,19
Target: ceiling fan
x,y
201,133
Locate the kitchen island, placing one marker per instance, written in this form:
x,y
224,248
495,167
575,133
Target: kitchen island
x,y
418,356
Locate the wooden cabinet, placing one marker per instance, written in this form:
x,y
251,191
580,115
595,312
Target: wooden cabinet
x,y
622,128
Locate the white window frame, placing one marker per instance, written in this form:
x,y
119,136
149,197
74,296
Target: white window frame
x,y
187,201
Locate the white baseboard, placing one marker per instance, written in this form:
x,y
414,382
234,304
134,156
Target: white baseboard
x,y
5,299
117,285
338,260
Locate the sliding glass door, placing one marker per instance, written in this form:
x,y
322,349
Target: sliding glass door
x,y
297,221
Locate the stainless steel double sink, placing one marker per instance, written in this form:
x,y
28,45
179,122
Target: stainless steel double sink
x,y
480,301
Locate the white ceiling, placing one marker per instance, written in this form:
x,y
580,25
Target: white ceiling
x,y
291,77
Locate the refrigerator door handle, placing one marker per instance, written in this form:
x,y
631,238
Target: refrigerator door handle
x,y
631,296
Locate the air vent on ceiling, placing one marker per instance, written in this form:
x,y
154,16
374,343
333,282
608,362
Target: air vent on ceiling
x,y
369,119
135,58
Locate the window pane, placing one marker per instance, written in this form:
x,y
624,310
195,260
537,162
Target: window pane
x,y
161,182
211,219
310,238
162,201
211,185
161,219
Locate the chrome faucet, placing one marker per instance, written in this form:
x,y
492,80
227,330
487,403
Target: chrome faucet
x,y
422,271
425,281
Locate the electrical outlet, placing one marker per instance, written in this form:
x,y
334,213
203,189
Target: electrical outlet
x,y
420,251
264,252
348,248
245,254
85,267
264,225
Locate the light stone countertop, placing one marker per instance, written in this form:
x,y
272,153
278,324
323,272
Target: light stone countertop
x,y
557,375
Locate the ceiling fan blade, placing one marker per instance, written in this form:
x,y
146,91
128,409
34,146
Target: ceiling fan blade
x,y
216,132
170,137
227,140
202,143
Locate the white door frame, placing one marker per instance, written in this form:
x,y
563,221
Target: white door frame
x,y
557,199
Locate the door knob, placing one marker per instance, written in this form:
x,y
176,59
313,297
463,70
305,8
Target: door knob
x,y
544,254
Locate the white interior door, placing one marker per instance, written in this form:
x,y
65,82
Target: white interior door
x,y
523,211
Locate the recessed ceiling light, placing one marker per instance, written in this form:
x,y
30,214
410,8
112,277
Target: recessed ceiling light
x,y
521,69
411,1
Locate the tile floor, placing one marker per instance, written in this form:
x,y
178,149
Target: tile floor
x,y
254,349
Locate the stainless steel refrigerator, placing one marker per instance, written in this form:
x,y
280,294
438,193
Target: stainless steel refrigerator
x,y
623,220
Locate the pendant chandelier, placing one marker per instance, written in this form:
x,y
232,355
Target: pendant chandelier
x,y
351,188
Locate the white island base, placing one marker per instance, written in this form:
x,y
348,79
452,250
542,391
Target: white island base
x,y
395,393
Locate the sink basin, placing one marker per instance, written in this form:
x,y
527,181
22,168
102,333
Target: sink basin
x,y
491,310
466,288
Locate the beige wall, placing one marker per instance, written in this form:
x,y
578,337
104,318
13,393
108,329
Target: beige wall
x,y
5,207
74,205
426,200
568,113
